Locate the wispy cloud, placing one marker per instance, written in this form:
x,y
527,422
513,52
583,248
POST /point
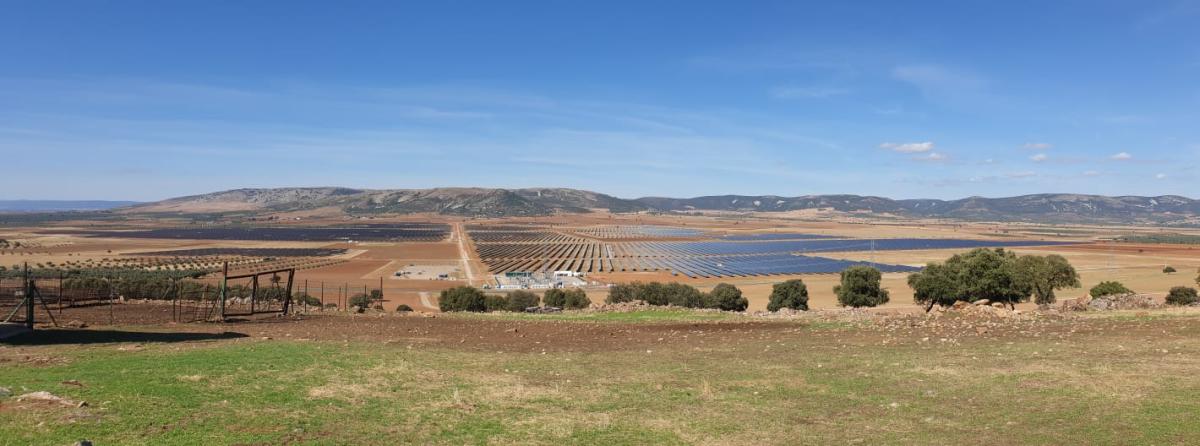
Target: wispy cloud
x,y
1122,156
945,85
1038,158
908,147
1038,146
932,157
798,92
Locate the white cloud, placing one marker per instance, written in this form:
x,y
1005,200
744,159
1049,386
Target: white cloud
x,y
1038,145
1038,158
1122,156
910,147
1161,176
1091,173
1025,174
793,92
932,156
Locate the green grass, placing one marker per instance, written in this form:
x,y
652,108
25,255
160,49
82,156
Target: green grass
x,y
819,385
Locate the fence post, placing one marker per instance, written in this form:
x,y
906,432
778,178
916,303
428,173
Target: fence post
x,y
28,299
224,278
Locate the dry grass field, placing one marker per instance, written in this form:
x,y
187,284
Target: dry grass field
x,y
1137,265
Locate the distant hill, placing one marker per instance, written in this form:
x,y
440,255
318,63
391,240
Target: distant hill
x,y
1050,208
447,201
60,205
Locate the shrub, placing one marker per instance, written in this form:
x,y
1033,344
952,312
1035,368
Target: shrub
x,y
1182,295
307,299
495,302
571,299
790,294
520,300
681,295
1168,269
462,298
1109,288
726,297
360,302
555,297
577,299
622,292
403,308
860,288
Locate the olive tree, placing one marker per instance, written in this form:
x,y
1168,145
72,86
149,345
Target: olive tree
x,y
790,294
860,287
1043,275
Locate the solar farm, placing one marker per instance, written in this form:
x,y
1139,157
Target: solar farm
x,y
599,249
399,232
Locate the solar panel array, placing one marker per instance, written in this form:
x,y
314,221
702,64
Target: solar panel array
x,y
533,249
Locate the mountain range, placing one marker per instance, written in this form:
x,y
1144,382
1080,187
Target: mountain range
x,y
486,202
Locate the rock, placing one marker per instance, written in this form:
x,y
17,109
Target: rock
x,y
5,392
983,302
83,443
75,324
50,397
958,305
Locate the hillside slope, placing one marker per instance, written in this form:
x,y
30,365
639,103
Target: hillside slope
x,y
1052,208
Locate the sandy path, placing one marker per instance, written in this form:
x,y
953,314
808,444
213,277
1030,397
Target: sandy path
x,y
425,301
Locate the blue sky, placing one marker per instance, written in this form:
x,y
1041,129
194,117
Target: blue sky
x,y
148,100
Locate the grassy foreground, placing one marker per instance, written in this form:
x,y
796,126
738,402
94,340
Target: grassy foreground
x,y
1120,381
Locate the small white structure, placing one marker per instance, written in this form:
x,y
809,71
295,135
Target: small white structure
x,y
568,274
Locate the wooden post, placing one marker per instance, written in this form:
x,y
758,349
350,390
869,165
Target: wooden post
x,y
28,299
287,300
322,295
224,279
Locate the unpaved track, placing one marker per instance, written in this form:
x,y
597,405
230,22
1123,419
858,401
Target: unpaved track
x,y
425,301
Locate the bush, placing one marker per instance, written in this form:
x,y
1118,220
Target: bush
x,y
403,308
555,298
570,299
622,292
1182,295
577,299
860,288
726,297
1168,269
462,298
790,294
681,295
1109,288
307,299
360,302
520,300
495,302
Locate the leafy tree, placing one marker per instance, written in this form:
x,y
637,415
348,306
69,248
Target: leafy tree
x,y
518,301
622,292
1182,295
555,297
577,299
462,298
572,299
495,302
726,297
993,274
860,287
1168,269
1043,275
681,295
376,295
790,294
934,285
